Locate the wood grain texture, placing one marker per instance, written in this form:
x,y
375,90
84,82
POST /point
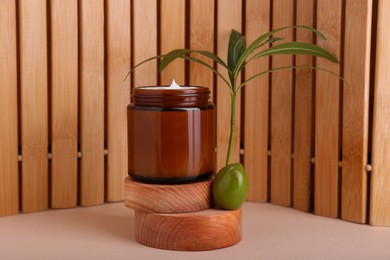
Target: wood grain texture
x,y
229,17
256,106
77,45
204,230
380,175
172,36
355,110
327,113
144,41
166,199
281,109
34,108
64,105
9,175
303,111
118,95
92,102
201,30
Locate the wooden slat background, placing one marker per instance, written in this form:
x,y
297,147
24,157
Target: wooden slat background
x,y
228,17
281,110
9,176
91,101
201,37
118,93
304,113
33,80
327,113
174,26
303,135
256,106
380,193
64,102
144,41
355,110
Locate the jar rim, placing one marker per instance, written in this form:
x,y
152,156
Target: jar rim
x,y
156,96
153,90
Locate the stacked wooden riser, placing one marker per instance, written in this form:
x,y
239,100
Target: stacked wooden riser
x,y
181,217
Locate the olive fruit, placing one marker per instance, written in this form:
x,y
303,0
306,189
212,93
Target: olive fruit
x,y
230,187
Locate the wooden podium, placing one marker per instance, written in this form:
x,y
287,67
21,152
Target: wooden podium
x,y
181,217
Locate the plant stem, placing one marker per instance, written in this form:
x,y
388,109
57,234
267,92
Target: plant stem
x,y
232,116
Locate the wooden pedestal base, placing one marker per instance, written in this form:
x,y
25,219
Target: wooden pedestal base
x,y
204,230
178,198
178,217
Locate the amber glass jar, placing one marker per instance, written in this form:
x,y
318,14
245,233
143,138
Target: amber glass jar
x,y
171,135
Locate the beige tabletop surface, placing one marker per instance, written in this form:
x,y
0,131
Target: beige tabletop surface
x,y
107,232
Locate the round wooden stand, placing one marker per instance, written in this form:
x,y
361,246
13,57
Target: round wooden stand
x,y
204,230
178,198
178,217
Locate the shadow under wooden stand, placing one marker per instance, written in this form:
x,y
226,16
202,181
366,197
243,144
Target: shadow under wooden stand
x,y
180,217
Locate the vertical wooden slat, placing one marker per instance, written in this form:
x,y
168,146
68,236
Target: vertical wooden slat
x,y
9,194
327,112
303,112
229,17
64,88
201,31
257,22
281,110
34,109
92,102
358,18
144,41
172,36
118,94
380,175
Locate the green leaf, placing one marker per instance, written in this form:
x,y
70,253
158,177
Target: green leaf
x,y
142,62
184,54
237,45
171,56
270,40
213,57
261,38
180,53
287,67
296,48
208,66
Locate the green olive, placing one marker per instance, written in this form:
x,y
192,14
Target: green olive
x,y
230,187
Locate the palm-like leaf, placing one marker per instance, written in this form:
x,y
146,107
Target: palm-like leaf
x,y
180,53
208,66
269,40
283,68
295,48
236,48
213,57
171,56
262,38
239,56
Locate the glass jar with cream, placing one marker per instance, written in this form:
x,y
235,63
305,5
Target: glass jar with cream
x,y
171,134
